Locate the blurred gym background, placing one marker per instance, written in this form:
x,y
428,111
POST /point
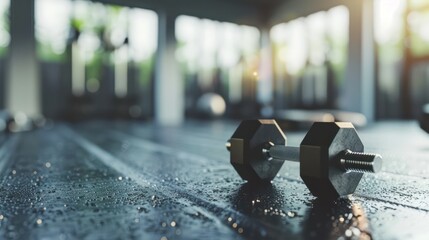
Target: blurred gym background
x,y
170,61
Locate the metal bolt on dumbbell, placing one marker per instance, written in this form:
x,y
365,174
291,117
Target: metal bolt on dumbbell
x,y
348,160
331,155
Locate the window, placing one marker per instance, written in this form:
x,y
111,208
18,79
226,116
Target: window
x,y
105,51
217,57
4,26
310,55
4,43
402,40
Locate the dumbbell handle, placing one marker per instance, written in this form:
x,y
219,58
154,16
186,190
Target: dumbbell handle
x,y
282,153
349,161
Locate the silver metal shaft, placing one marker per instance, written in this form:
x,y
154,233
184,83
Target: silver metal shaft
x,y
228,145
284,153
349,161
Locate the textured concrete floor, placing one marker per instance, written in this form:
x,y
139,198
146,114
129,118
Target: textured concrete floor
x,y
106,180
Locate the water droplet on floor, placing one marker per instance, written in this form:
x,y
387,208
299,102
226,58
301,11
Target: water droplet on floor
x,y
291,214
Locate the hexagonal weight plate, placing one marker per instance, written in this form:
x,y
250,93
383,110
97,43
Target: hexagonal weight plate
x,y
247,143
319,159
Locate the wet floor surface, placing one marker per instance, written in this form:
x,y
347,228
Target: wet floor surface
x,y
127,180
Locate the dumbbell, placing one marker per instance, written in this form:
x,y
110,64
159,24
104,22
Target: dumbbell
x,y
6,118
424,118
331,157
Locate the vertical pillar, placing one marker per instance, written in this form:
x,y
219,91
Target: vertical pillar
x,y
406,100
265,76
358,92
169,86
22,84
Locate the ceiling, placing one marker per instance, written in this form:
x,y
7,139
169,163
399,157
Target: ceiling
x,y
259,13
250,12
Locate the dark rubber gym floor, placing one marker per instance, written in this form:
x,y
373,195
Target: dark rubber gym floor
x,y
125,180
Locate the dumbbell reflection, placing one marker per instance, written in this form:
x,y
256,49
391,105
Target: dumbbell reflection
x,y
341,219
